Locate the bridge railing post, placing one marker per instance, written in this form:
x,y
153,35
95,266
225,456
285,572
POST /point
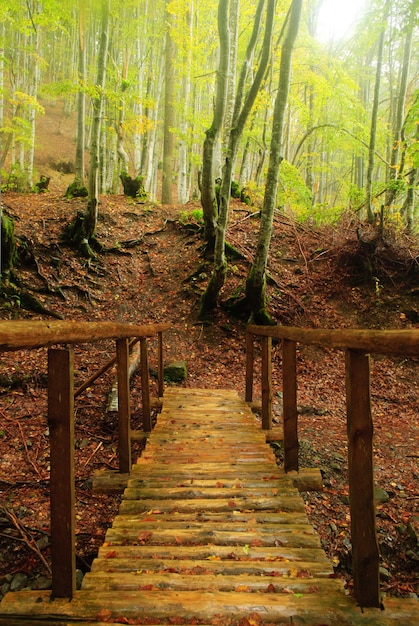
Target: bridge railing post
x,y
62,480
250,364
266,383
124,409
145,386
160,365
290,416
365,552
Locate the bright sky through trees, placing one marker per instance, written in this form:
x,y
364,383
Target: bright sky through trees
x,y
337,18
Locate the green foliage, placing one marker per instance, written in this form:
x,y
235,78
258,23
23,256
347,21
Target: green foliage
x,y
13,179
195,216
293,193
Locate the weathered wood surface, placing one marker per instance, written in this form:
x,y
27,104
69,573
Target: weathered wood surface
x,y
15,335
198,540
405,342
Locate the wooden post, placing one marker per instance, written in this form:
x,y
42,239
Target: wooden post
x,y
365,553
160,366
124,412
250,363
289,389
266,383
145,387
62,489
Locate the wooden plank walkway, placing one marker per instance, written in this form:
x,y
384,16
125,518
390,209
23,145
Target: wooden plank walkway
x,y
210,531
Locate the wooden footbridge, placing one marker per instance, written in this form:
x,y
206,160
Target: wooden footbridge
x,y
210,530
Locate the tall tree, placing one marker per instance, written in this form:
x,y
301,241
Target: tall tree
x,y
208,195
82,231
242,107
256,280
169,112
396,169
374,116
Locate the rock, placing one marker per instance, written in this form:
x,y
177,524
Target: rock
x,y
175,372
42,582
79,578
380,495
384,573
19,582
5,588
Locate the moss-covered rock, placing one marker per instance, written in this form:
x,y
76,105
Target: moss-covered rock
x,y
175,372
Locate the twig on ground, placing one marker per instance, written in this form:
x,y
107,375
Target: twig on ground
x,y
26,537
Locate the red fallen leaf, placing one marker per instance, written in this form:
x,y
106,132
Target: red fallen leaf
x,y
231,504
219,485
304,573
110,555
271,588
104,615
256,542
145,536
146,587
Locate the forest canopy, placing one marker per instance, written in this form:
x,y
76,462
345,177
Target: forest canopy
x,y
351,131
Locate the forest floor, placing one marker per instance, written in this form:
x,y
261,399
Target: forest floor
x,y
153,271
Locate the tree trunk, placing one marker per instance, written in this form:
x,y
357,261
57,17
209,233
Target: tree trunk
x,y
77,188
255,284
395,168
242,108
84,229
208,196
184,163
169,116
374,116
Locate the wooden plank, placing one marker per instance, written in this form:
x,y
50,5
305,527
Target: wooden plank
x,y
290,536
365,551
290,560
62,487
205,581
275,503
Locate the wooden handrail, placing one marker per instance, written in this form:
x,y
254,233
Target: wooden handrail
x,y
16,335
394,342
357,345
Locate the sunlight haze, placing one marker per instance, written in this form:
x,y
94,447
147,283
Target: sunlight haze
x,y
337,18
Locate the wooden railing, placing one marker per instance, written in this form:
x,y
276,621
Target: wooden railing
x,y
27,334
357,345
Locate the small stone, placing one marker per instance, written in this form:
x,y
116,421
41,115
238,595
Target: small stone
x,y
380,495
384,574
5,588
19,582
79,578
42,582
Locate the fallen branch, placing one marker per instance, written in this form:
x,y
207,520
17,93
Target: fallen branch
x,y
26,537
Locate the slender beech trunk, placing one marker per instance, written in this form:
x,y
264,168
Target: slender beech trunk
x,y
255,284
208,195
89,223
169,116
243,106
396,169
374,117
